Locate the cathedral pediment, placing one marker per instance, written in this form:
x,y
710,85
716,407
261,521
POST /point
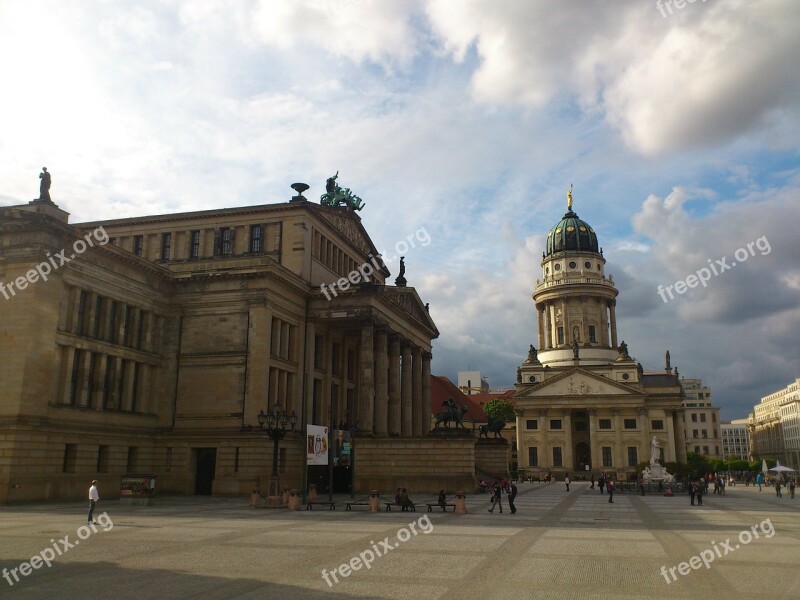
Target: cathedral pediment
x,y
578,382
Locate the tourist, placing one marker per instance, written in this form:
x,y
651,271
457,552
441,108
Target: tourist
x,y
405,501
94,498
778,488
442,500
610,488
397,495
497,498
791,489
692,492
592,486
700,491
641,484
601,482
566,480
512,493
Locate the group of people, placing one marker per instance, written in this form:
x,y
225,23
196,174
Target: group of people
x,y
510,488
605,483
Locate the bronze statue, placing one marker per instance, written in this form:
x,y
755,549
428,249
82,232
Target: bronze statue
x,y
532,354
494,427
336,196
575,349
519,374
44,186
400,280
623,348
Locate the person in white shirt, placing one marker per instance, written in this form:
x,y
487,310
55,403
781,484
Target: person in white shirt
x,y
94,498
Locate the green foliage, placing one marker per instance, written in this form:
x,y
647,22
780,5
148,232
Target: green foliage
x,y
500,409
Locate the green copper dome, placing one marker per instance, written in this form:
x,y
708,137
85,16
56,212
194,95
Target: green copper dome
x,y
571,233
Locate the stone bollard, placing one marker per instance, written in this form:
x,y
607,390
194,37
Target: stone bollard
x,y
461,503
374,501
294,500
285,496
255,498
312,492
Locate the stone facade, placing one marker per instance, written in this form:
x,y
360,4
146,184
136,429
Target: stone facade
x,y
774,426
701,419
155,352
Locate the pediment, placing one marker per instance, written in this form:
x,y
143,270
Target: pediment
x,y
579,382
346,224
407,301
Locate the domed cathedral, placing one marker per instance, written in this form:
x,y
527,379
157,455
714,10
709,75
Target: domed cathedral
x,y
583,404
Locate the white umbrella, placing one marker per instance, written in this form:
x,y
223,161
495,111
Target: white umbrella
x,y
764,469
779,468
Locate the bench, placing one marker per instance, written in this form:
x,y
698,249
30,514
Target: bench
x,y
330,505
430,506
389,506
349,505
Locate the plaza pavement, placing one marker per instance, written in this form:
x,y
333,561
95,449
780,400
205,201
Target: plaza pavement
x,y
558,545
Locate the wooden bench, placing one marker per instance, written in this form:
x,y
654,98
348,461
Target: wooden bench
x,y
330,505
389,506
349,505
430,506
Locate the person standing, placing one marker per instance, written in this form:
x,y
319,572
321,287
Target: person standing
x,y
778,488
94,498
700,491
592,486
497,497
792,485
610,488
566,480
692,491
601,482
512,493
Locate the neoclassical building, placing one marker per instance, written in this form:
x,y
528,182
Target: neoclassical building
x,y
583,403
154,353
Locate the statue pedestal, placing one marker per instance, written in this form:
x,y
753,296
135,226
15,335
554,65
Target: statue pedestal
x,y
656,472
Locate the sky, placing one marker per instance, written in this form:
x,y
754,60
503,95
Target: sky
x,y
466,120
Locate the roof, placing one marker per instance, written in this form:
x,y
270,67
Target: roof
x,y
442,389
660,380
571,233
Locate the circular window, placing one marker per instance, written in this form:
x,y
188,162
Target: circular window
x,y
625,376
582,228
572,264
587,264
558,230
599,267
570,228
532,378
557,267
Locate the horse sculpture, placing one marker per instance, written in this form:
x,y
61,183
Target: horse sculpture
x,y
494,426
449,415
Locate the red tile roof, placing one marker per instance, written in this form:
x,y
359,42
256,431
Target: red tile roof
x,y
442,389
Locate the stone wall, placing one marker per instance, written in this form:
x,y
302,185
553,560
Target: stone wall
x,y
492,456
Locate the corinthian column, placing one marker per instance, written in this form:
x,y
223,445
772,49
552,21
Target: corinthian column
x,y
406,391
381,383
394,386
366,379
416,402
425,416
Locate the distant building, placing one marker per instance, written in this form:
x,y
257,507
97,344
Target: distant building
x,y
472,382
701,419
735,439
775,426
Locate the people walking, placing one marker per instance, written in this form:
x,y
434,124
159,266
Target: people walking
x,y
566,480
610,488
512,493
641,485
497,498
601,482
778,488
592,486
94,498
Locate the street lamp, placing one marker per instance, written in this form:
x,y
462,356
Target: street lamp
x,y
277,423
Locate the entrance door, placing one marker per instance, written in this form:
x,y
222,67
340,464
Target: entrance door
x,y
583,457
206,459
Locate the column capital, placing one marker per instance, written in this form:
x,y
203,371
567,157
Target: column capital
x,y
427,355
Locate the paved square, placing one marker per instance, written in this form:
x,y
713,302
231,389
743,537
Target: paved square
x,y
558,545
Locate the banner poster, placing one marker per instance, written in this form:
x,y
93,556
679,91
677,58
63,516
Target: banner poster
x,y
316,445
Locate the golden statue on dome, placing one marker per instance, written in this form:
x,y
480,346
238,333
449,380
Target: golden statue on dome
x,y
569,197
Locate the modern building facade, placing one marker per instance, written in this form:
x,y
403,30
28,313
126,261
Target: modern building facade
x,y
701,419
735,439
774,426
583,403
154,353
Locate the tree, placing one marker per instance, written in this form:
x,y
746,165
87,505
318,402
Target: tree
x,y
500,409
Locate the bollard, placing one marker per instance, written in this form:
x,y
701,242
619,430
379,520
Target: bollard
x,y
312,492
294,500
374,501
285,496
255,498
461,503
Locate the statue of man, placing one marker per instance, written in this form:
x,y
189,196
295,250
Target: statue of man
x,y
330,185
654,452
532,354
623,348
575,349
44,186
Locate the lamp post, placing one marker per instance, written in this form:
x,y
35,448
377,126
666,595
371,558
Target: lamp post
x,y
277,423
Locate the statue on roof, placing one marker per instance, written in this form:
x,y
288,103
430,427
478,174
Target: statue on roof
x,y
569,197
623,348
667,357
335,195
44,186
532,355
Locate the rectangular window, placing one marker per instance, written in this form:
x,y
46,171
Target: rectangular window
x,y
138,244
657,424
630,423
226,241
716,449
531,424
533,457
560,336
581,426
194,245
592,336
697,449
166,245
102,459
702,417
70,458
705,433
607,456
604,423
694,433
81,324
97,329
555,423
632,459
133,453
713,418
256,239
694,417
236,460
557,456
705,449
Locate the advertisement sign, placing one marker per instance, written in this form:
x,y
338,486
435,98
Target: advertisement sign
x,y
137,486
316,445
